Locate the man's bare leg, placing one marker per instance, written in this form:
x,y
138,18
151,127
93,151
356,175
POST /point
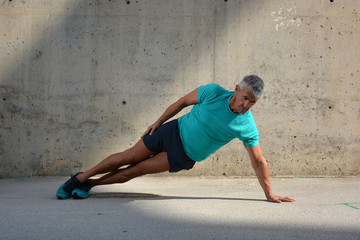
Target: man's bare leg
x,y
157,164
78,186
133,155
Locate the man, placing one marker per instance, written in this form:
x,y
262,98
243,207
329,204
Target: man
x,y
217,117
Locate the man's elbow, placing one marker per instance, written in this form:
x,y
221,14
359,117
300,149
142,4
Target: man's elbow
x,y
259,164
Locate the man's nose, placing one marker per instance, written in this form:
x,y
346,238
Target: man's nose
x,y
247,104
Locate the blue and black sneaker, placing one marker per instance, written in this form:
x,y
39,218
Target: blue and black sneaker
x,y
65,190
82,191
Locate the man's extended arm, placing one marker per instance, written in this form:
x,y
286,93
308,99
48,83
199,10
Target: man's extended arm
x,y
260,166
173,109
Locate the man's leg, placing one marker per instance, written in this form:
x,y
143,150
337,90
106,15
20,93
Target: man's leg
x,y
157,164
78,186
112,163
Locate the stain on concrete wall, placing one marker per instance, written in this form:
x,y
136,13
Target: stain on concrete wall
x,y
80,80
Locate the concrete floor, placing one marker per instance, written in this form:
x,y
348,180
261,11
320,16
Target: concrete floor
x,y
182,208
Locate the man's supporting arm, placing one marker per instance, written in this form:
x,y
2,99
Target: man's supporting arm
x,y
173,109
260,166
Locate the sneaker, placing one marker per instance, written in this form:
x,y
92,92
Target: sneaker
x,y
82,191
65,190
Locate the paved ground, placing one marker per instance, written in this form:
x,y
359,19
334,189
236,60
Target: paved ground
x,y
182,208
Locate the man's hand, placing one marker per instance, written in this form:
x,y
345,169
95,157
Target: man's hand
x,y
278,199
151,129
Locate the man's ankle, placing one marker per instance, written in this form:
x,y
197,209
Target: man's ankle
x,y
80,177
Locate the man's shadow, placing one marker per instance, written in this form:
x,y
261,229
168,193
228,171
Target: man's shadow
x,y
149,196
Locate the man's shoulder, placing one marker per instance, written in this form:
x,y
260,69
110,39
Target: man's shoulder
x,y
210,91
214,87
248,116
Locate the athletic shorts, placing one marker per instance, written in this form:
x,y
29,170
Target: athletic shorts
x,y
167,139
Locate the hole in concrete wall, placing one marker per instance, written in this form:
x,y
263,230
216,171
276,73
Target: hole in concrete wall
x,y
127,2
331,0
124,102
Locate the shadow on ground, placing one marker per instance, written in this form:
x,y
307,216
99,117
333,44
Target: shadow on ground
x,y
161,197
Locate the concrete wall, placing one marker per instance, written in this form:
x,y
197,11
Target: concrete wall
x,y
80,80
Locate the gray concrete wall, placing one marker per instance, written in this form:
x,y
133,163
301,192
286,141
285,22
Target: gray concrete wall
x,y
80,80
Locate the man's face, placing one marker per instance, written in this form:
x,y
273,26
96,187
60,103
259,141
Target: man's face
x,y
243,100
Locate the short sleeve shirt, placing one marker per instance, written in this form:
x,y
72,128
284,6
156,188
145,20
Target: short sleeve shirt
x,y
211,124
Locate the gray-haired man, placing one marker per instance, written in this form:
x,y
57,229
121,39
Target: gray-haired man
x,y
217,117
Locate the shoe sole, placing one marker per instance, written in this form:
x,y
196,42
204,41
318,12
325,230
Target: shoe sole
x,y
61,194
79,194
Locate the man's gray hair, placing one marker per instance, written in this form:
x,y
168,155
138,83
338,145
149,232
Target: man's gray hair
x,y
255,83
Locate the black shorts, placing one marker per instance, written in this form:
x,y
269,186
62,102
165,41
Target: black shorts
x,y
167,139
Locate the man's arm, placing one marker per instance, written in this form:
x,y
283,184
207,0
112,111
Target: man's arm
x,y
189,99
260,166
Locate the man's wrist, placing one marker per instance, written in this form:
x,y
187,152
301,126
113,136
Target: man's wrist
x,y
269,195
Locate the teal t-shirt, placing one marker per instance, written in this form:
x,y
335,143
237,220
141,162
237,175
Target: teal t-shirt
x,y
211,124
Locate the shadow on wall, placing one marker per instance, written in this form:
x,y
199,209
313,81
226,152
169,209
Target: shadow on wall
x,y
81,80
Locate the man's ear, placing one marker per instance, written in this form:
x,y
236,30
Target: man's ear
x,y
237,89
